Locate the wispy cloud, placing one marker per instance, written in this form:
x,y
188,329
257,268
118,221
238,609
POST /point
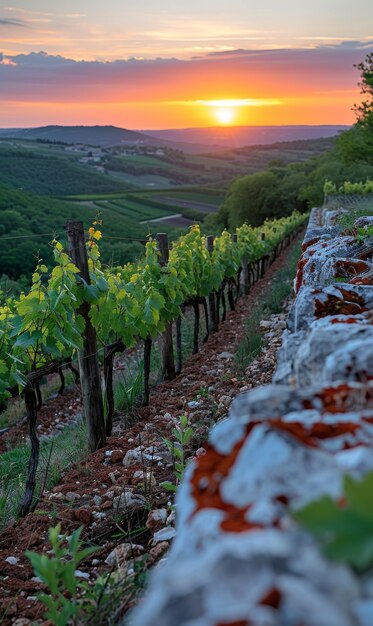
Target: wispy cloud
x,y
242,78
11,22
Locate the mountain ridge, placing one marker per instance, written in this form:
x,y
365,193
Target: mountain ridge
x,y
183,138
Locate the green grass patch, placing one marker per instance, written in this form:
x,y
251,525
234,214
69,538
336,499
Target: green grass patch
x,y
55,457
271,303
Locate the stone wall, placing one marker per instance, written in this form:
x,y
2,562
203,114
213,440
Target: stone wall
x,y
239,558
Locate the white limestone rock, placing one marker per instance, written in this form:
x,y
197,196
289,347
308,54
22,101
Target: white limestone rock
x,y
322,341
234,579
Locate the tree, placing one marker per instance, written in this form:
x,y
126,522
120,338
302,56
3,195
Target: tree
x,y
356,145
364,111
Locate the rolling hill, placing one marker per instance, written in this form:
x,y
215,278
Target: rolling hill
x,y
89,135
240,136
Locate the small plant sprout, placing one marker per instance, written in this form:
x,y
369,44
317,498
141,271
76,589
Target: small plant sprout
x,y
203,392
58,573
182,434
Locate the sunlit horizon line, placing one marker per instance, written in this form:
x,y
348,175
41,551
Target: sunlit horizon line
x,y
236,102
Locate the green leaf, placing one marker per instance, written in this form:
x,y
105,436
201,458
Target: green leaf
x,y
168,486
346,528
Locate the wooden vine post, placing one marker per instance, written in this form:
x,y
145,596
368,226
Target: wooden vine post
x,y
30,402
264,257
88,362
231,281
147,357
245,275
168,362
213,311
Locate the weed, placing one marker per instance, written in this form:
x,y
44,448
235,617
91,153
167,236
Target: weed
x,y
58,573
128,390
183,434
203,392
67,448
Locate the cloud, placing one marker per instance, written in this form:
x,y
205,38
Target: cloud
x,y
254,75
10,22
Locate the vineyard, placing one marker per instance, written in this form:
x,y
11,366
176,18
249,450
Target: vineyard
x,y
81,309
275,516
274,471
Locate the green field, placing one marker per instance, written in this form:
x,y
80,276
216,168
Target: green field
x,y
42,185
32,170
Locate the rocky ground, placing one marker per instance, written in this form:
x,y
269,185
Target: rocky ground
x,y
116,492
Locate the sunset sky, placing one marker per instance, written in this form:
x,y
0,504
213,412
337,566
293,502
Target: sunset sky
x,y
177,63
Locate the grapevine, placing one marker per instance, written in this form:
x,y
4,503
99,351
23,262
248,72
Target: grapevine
x,y
128,303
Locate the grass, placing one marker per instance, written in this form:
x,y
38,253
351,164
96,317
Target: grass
x,y
276,293
129,389
347,220
16,407
55,457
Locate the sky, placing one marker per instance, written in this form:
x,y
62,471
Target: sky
x,y
174,63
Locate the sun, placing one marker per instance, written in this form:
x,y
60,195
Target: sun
x,y
225,115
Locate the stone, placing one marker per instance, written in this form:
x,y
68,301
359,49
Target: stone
x,y
79,574
265,324
157,551
12,560
156,519
97,500
322,340
145,478
83,516
71,496
224,401
225,355
351,362
164,534
230,583
194,404
117,456
113,478
123,553
133,457
128,501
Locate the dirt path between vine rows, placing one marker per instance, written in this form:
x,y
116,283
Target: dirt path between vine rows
x,y
117,490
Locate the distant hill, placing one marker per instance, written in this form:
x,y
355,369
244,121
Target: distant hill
x,y
190,140
89,135
240,136
104,136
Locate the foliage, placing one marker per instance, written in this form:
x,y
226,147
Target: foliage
x,y
129,389
58,573
183,433
128,303
347,188
357,144
364,111
272,302
50,175
345,527
28,224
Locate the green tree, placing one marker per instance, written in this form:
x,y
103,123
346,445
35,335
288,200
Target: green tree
x,y
356,145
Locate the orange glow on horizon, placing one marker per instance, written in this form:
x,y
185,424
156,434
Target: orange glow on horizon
x,y
158,115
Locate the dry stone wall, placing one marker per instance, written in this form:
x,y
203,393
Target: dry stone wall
x,y
239,558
